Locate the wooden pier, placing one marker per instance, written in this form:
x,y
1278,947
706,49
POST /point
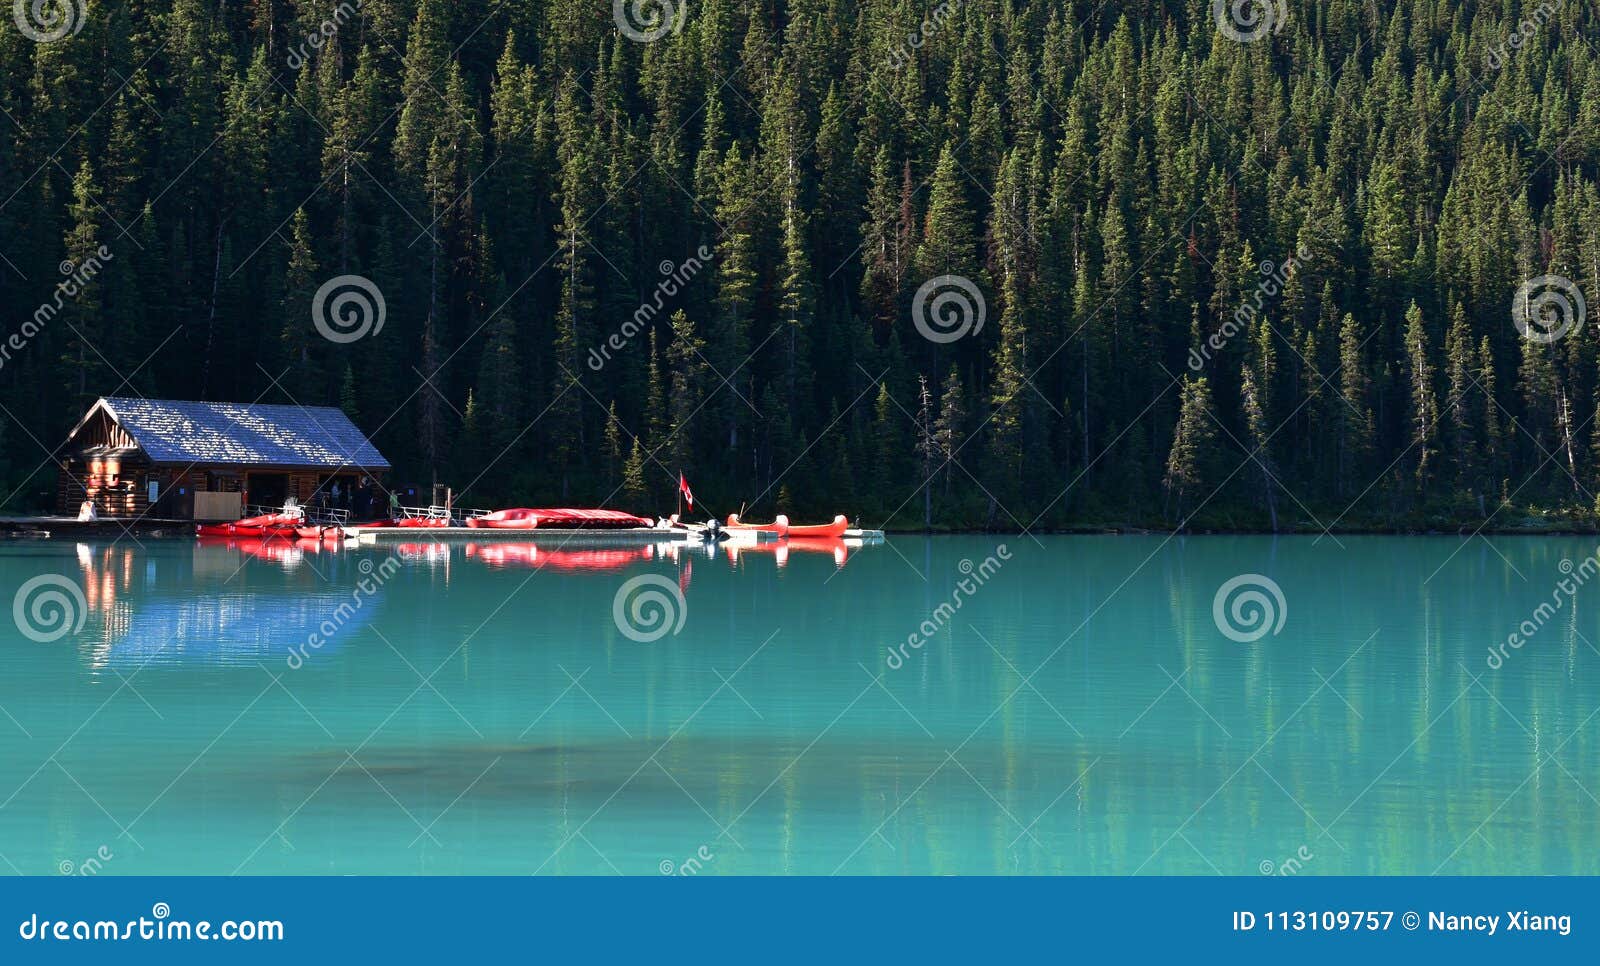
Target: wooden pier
x,y
64,527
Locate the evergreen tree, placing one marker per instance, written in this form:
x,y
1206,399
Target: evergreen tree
x,y
1191,463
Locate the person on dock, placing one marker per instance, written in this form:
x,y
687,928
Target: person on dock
x,y
87,512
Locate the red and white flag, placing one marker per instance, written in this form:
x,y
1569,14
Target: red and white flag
x,y
683,487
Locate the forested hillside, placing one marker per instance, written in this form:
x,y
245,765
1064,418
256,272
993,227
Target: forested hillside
x,y
1000,263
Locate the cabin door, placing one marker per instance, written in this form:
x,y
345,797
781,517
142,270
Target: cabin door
x,y
267,489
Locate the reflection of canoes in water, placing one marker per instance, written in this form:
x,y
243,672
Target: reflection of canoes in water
x,y
429,552
274,551
585,560
781,549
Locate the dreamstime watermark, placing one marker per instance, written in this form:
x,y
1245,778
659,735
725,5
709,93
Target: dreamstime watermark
x,y
90,866
975,576
49,607
76,277
1547,308
690,866
676,277
1273,280
1249,20
1576,575
646,21
160,925
1290,866
348,308
371,581
948,308
931,24
312,42
46,21
648,608
1531,24
1249,607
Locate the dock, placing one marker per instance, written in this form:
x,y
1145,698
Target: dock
x,y
627,537
636,536
47,527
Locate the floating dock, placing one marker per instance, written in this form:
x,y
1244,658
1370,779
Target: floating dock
x,y
368,536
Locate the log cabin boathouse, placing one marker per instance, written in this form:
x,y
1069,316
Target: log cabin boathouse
x,y
208,460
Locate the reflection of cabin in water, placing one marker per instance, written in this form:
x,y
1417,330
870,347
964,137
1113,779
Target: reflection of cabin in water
x,y
208,461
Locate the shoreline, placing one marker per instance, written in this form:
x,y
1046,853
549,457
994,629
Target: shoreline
x,y
57,528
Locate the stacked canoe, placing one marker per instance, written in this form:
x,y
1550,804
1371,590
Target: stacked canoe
x,y
557,519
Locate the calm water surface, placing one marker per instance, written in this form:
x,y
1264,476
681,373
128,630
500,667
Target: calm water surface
x,y
479,711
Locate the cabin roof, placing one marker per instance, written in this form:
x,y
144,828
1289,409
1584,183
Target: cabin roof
x,y
176,431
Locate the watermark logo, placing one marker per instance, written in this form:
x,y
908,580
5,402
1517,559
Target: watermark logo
x,y
159,926
690,866
646,21
931,24
648,608
1500,53
1290,866
300,55
1249,20
1249,607
49,607
46,21
348,308
1546,308
1573,577
973,577
1273,280
90,866
948,308
674,279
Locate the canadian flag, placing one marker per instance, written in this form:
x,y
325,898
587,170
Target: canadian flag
x,y
683,487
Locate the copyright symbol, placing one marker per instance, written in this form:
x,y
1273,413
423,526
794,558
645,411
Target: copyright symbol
x,y
667,867
1411,921
1268,867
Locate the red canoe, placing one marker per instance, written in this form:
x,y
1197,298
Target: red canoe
x,y
319,533
241,530
782,525
427,523
822,530
558,519
267,525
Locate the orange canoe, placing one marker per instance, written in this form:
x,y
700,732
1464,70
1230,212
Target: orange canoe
x,y
779,525
782,525
834,529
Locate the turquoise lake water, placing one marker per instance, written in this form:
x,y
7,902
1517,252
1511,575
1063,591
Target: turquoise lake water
x,y
1076,708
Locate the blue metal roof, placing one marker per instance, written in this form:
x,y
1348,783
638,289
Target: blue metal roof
x,y
171,431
